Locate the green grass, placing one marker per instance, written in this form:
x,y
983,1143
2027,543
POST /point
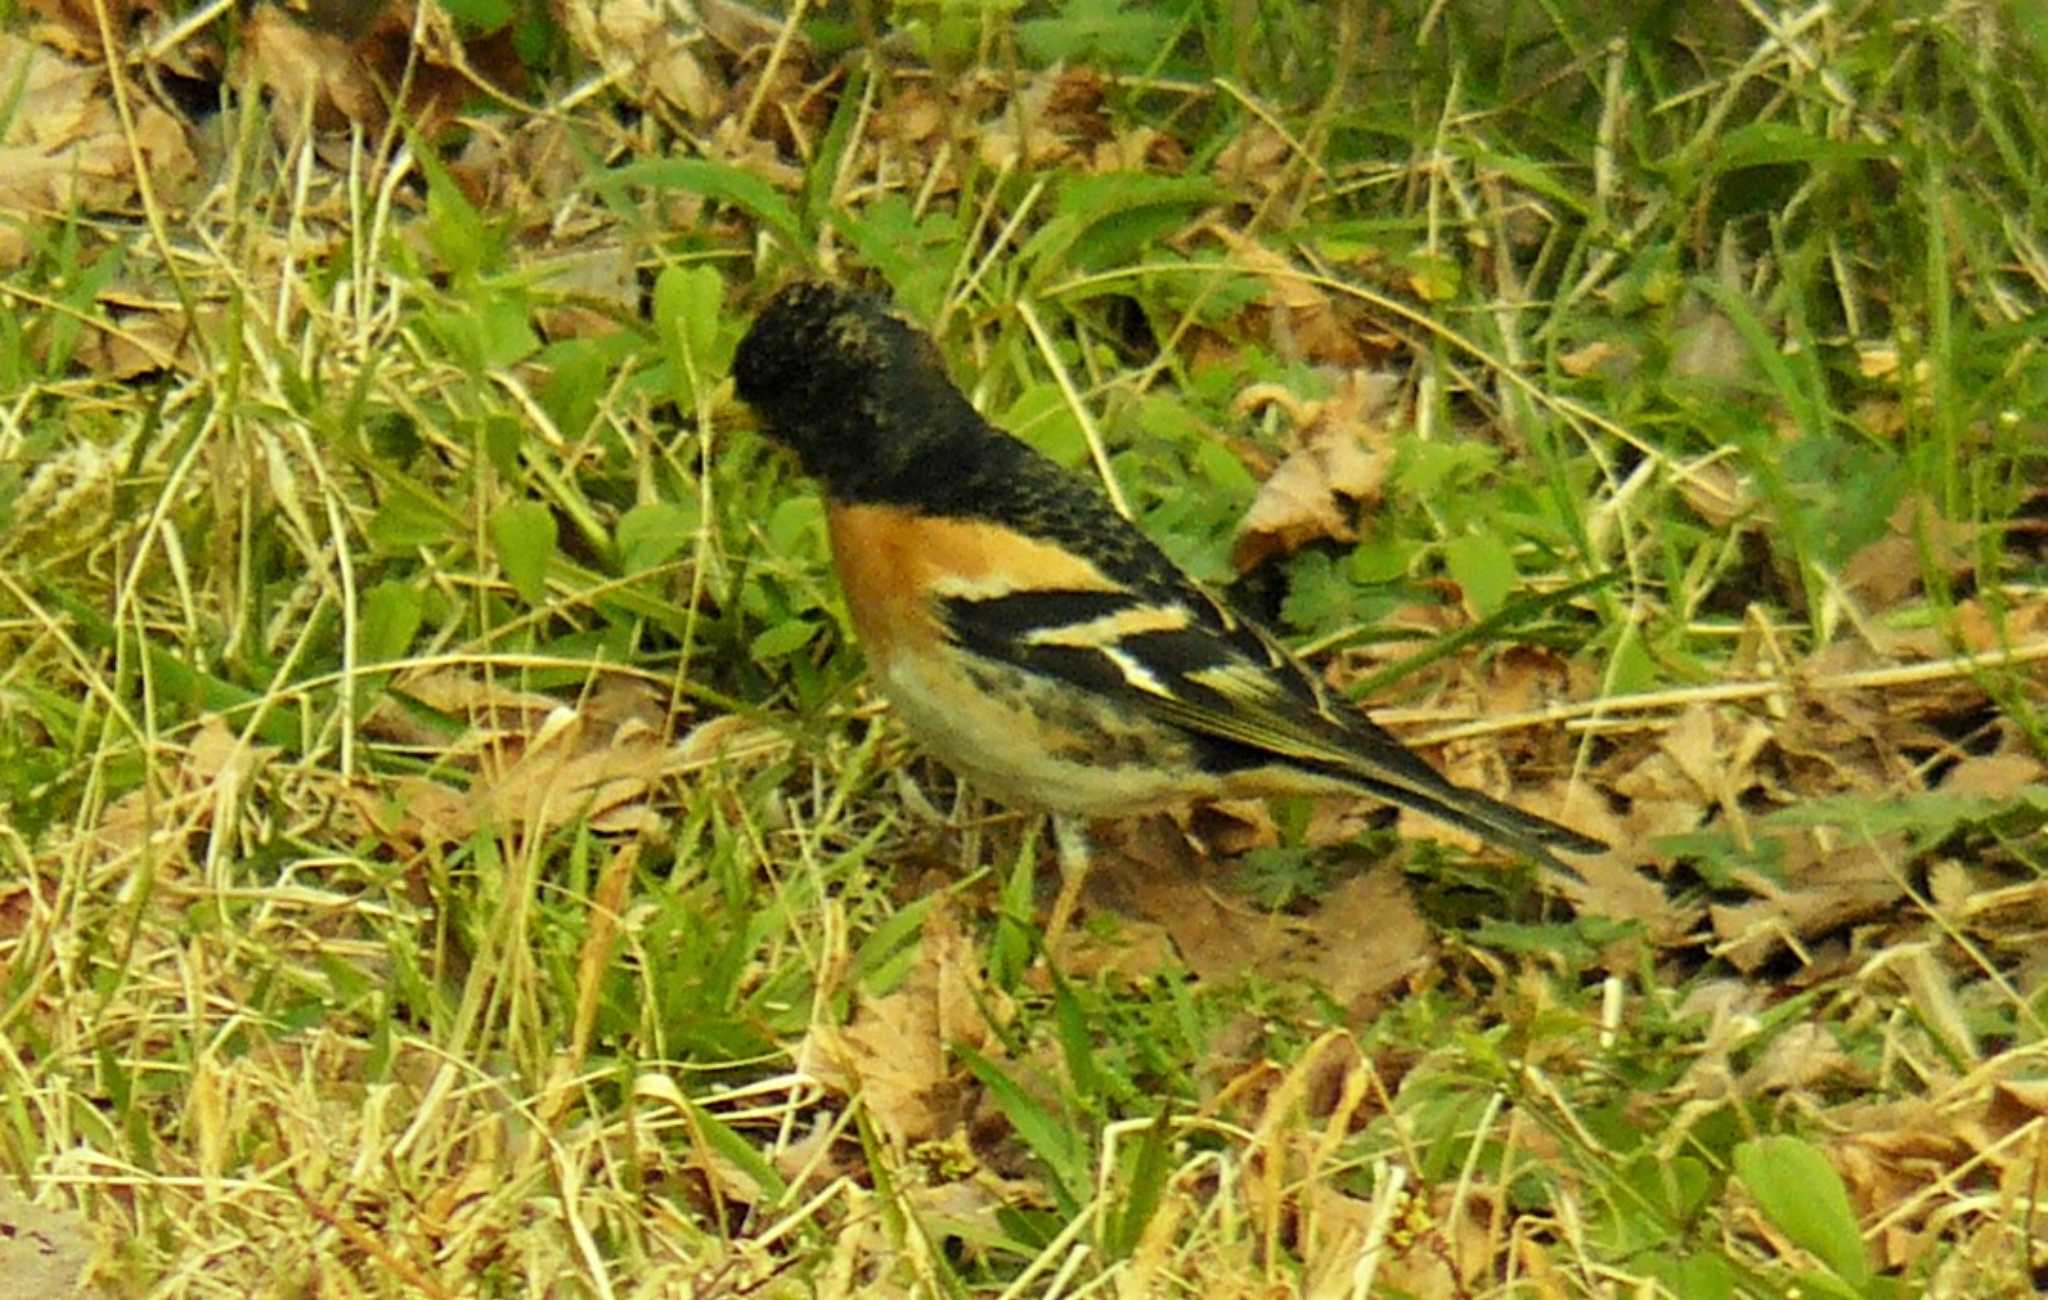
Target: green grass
x,y
450,848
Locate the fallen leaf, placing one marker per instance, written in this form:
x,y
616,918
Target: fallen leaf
x,y
338,65
894,1055
1365,940
44,1252
1828,887
1994,776
1255,156
1055,116
1339,463
63,146
1306,323
1804,1056
1887,570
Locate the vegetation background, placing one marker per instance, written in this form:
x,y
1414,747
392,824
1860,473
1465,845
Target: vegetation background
x,y
447,847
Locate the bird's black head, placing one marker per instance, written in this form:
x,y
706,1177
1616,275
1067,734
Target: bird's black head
x,y
854,389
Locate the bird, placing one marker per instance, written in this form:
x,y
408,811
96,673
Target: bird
x,y
1032,638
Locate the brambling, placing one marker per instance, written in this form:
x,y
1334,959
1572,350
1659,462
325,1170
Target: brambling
x,y
1031,637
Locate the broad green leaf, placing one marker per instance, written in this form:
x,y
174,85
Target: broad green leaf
x,y
1428,467
1803,1197
890,941
793,523
391,613
1101,219
406,521
726,183
504,336
1768,143
503,435
1432,278
1104,31
1041,417
688,301
1318,598
1381,558
782,639
1479,563
1070,1026
458,233
652,533
523,532
1693,1277
915,254
480,15
578,371
744,1154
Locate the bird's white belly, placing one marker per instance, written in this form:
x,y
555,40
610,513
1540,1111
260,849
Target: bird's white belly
x,y
1031,741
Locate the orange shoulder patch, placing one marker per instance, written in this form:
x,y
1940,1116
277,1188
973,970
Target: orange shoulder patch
x,y
894,564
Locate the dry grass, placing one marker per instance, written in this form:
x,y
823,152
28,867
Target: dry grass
x,y
448,849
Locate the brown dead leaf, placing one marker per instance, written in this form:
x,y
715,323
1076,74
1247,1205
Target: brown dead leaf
x,y
312,74
1829,885
1365,940
575,768
916,114
1149,870
490,707
725,740
1306,324
1893,566
144,335
1136,951
1342,454
1234,827
1137,149
643,44
1805,1056
1707,349
539,763
415,810
2016,1103
205,786
63,145
1073,104
23,902
1523,677
1716,750
74,25
336,64
1703,764
533,166
1056,115
1994,776
894,1054
44,1251
1901,1160
1257,155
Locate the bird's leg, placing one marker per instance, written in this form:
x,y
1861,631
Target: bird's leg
x,y
1070,834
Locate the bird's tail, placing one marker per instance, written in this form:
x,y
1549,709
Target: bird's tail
x,y
1486,817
